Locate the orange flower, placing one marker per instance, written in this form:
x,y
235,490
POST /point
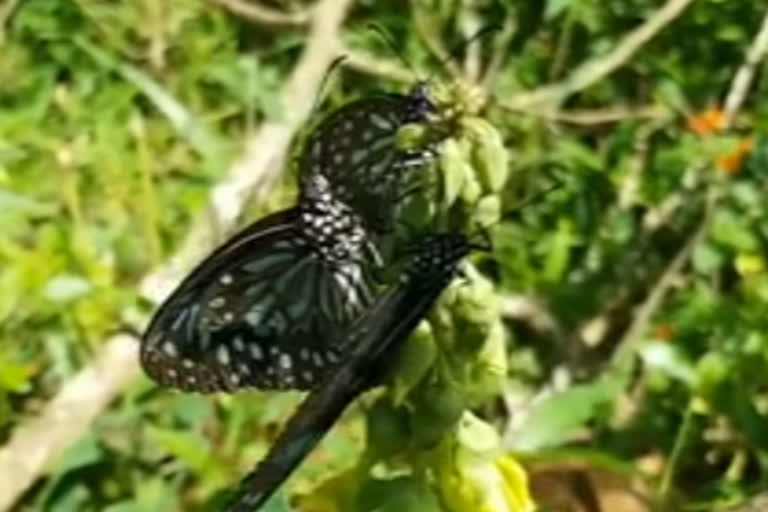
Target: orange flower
x,y
709,121
731,162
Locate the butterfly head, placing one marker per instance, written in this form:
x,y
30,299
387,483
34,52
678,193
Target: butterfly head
x,y
419,107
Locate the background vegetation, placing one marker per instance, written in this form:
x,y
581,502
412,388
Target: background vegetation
x,y
133,135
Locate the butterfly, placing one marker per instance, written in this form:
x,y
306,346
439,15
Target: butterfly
x,y
356,151
372,341
266,308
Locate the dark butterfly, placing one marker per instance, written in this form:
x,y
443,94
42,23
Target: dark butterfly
x,y
355,154
372,341
267,308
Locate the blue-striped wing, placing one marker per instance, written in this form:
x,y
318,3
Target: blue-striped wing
x,y
372,341
264,310
356,150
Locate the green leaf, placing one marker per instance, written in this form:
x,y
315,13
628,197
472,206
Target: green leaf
x,y
707,258
85,452
576,154
555,8
276,503
404,494
555,419
669,359
66,288
730,230
187,446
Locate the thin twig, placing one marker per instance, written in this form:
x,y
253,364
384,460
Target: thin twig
x,y
158,44
64,419
468,23
656,217
638,164
607,115
678,450
376,66
550,96
264,15
563,48
425,29
743,77
530,311
499,55
6,10
656,297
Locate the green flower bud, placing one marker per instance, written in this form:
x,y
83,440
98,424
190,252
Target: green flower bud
x,y
488,372
711,370
472,477
386,429
475,309
411,136
402,494
477,436
472,189
415,359
489,156
453,166
418,211
487,212
436,409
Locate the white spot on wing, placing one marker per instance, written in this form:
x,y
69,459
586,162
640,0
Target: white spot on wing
x,y
217,302
222,354
255,315
256,351
170,349
179,319
380,121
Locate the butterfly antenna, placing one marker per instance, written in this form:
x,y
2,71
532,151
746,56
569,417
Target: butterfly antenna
x,y
535,197
324,82
457,48
386,37
484,232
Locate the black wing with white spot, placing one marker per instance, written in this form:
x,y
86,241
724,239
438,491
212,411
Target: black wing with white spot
x,y
373,340
264,310
356,150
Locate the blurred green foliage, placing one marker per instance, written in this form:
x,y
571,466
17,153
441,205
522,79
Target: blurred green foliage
x,y
116,118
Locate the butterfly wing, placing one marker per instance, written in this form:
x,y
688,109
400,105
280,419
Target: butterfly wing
x,y
356,150
374,338
262,311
